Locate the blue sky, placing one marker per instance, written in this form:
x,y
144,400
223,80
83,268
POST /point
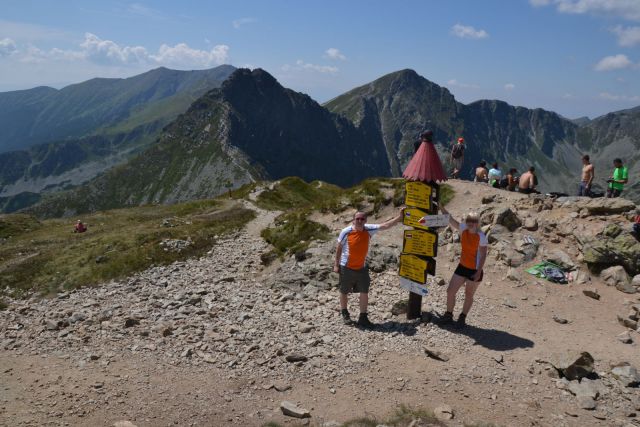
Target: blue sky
x,y
576,57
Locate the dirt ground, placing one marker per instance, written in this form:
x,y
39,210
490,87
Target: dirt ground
x,y
493,374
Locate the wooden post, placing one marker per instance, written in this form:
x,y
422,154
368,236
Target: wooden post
x,y
414,306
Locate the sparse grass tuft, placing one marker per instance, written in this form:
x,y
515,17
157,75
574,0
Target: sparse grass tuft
x,y
47,257
293,232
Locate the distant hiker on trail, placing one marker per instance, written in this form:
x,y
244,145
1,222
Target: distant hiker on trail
x,y
619,178
79,227
495,175
482,174
588,173
351,255
528,181
512,179
424,136
470,268
457,157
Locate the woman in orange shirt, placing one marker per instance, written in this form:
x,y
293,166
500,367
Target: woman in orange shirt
x,y
469,271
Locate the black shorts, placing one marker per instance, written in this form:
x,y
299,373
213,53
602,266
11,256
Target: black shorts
x,y
467,273
354,280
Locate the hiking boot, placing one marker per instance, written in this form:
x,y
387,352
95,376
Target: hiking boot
x,y
446,319
462,321
363,321
346,317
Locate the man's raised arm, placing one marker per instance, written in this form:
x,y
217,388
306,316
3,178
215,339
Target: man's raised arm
x,y
388,224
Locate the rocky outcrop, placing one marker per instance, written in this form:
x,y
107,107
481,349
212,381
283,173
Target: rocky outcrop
x,y
613,246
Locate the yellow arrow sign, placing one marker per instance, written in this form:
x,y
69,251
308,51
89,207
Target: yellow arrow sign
x,y
418,194
415,268
420,242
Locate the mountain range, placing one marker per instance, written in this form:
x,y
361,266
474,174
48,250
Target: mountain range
x,y
251,128
53,139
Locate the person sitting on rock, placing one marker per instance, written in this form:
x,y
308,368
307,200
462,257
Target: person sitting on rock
x,y
469,271
351,254
79,227
528,181
495,175
512,179
482,174
619,178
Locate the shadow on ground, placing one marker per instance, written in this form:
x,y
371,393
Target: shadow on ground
x,y
491,339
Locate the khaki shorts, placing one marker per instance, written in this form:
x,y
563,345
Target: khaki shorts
x,y
354,280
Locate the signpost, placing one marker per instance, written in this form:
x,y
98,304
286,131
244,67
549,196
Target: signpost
x,y
420,245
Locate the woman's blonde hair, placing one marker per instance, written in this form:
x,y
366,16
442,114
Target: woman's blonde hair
x,y
472,217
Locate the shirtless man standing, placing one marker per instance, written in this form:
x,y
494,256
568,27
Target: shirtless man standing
x,y
588,173
527,182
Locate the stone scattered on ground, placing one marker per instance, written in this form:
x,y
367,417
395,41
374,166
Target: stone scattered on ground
x,y
292,410
444,413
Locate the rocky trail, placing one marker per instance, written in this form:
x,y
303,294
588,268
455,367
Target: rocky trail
x,y
224,340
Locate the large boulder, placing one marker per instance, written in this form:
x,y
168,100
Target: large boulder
x,y
574,366
508,218
561,259
604,250
626,374
614,276
599,206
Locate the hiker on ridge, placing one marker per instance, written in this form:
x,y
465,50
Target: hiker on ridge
x,y
457,157
495,175
470,268
512,179
528,181
588,173
351,255
619,178
482,172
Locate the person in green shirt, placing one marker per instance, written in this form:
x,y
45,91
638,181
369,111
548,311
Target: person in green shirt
x,y
618,179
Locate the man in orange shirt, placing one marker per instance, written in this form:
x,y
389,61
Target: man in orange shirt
x,y
351,255
469,271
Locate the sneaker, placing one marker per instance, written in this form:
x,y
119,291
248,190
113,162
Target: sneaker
x,y
462,321
446,319
346,317
363,321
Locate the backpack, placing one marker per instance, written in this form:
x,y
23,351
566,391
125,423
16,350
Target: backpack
x,y
458,151
554,274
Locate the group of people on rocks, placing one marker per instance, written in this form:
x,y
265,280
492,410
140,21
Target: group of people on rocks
x,y
528,181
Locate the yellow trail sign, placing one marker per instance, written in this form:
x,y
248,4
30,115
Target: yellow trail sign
x,y
418,194
412,217
420,242
415,268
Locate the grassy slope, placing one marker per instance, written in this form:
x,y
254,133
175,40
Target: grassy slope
x,y
46,256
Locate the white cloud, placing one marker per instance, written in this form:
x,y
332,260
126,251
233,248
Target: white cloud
x,y
456,83
568,96
107,52
183,54
626,98
614,62
627,36
7,47
29,33
333,53
300,65
626,9
468,32
237,23
509,87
